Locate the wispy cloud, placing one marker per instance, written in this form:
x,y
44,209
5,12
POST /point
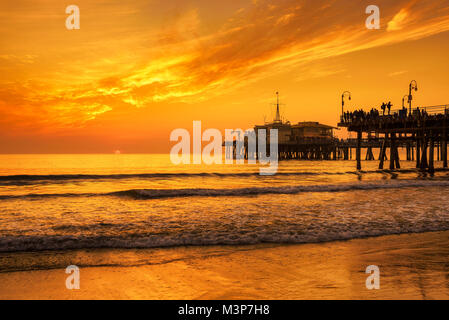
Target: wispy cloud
x,y
21,59
398,21
183,63
397,73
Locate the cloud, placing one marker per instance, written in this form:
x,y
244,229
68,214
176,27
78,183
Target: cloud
x,y
398,21
21,59
397,73
183,61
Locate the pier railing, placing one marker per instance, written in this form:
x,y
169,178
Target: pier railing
x,y
424,128
419,113
438,109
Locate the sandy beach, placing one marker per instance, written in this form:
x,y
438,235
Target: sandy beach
x,y
412,266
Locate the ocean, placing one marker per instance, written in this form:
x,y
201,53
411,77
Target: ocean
x,y
58,208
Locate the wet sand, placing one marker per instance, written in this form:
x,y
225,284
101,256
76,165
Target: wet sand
x,y
412,266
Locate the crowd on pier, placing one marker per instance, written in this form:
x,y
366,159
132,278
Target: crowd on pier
x,y
386,113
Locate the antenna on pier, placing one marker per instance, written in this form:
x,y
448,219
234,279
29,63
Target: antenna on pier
x,y
277,118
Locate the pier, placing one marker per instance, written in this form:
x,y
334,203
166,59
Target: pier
x,y
422,131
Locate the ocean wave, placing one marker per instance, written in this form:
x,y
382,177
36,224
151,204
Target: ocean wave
x,y
31,178
252,191
72,242
296,189
19,180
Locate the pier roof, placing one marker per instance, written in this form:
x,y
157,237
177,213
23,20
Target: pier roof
x,y
312,124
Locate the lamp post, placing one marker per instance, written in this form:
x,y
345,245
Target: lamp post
x,y
412,86
343,101
403,100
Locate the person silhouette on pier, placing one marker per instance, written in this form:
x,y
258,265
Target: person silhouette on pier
x,y
383,108
389,105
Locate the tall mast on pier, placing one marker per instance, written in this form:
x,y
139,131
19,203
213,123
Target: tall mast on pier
x,y
277,119
278,116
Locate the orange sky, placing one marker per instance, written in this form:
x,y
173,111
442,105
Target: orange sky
x,y
136,70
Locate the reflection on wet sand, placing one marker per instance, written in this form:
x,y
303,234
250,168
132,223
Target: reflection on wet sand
x,y
412,266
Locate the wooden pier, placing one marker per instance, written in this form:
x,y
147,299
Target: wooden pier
x,y
323,149
423,132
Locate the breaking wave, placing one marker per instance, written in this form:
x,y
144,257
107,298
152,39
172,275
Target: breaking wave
x,y
253,191
172,193
19,180
201,237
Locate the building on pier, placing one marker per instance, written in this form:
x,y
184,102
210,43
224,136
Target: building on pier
x,y
301,132
305,140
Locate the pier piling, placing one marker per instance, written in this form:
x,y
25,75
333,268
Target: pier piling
x,y
358,151
420,131
431,155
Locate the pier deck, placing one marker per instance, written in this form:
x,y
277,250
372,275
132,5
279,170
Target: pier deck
x,y
422,129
